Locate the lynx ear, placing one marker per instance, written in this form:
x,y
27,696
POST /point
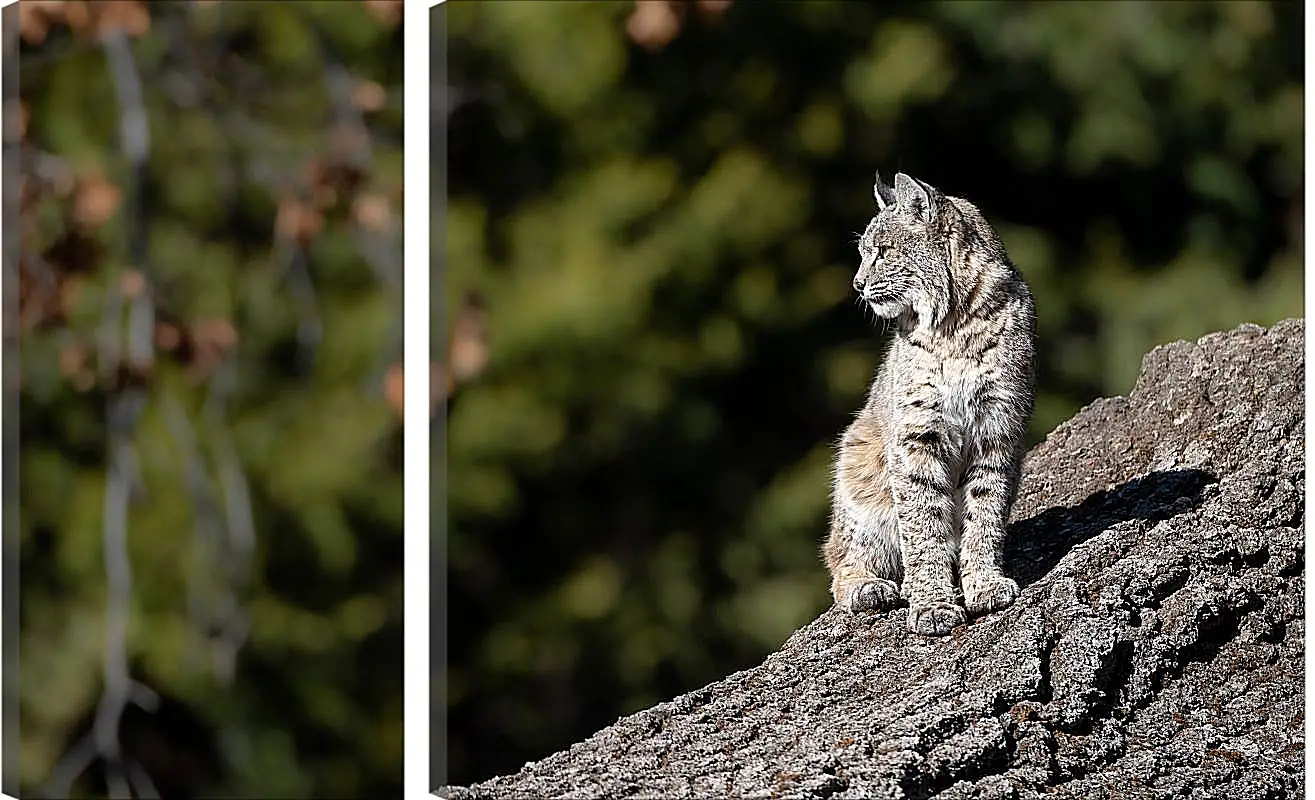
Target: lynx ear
x,y
916,196
884,194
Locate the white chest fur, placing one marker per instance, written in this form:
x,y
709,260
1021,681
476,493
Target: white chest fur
x,y
959,383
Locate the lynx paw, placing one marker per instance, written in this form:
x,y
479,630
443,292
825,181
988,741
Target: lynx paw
x,y
991,594
876,594
935,619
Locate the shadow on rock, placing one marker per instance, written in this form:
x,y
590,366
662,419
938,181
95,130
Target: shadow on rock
x,y
1035,545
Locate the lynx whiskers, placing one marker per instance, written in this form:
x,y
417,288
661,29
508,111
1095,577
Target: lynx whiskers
x,y
928,471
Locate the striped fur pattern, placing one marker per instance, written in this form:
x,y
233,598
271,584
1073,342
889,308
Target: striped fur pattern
x,y
928,471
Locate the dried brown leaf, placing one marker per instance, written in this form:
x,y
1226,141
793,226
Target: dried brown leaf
x,y
214,333
167,337
296,221
77,16
395,389
370,96
72,359
468,349
371,212
132,283
212,339
653,23
35,18
335,174
129,16
70,289
711,9
388,12
95,200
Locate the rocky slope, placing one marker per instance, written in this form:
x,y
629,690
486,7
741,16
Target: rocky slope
x,y
1156,649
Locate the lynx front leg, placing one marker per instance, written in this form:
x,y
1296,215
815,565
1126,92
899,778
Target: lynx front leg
x,y
989,485
925,505
852,559
862,549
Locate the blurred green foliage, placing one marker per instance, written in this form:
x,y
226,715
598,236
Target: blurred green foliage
x,y
271,206
657,205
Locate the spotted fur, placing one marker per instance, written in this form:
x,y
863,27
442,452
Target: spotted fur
x,y
928,471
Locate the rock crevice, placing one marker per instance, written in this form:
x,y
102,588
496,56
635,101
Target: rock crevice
x,y
1157,646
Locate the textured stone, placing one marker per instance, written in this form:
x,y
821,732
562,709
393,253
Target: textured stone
x,y
1156,649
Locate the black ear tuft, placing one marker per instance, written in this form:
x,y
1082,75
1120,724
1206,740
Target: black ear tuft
x,y
884,194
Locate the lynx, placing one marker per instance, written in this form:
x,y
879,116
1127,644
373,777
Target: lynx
x,y
928,471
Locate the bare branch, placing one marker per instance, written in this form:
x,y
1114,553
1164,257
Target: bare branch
x,y
134,134
140,780
206,521
236,625
70,765
123,411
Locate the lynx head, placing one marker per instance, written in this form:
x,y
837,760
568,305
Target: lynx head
x,y
904,257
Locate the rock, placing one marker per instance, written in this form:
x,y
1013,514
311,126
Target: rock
x,y
1157,647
